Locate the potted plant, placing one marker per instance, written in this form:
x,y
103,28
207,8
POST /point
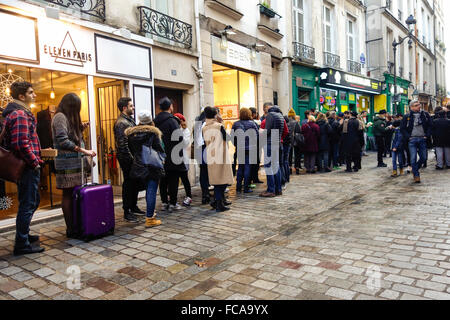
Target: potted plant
x,y
265,9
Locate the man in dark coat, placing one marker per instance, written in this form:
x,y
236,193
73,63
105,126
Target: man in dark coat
x,y
274,124
379,131
441,138
352,141
168,124
334,141
130,189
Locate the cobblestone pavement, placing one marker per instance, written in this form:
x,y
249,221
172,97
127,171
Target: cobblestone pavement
x,y
330,236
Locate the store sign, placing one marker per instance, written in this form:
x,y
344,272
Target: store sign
x,y
235,55
333,78
67,52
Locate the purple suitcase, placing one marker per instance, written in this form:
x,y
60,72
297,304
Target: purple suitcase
x,y
93,211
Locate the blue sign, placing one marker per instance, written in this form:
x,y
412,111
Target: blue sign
x,y
362,58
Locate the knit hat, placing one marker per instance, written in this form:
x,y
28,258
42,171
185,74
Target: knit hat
x,y
145,117
292,113
383,112
180,116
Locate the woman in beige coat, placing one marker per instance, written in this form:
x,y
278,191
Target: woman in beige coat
x,y
220,173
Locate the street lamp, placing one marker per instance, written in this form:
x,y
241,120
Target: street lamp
x,y
410,21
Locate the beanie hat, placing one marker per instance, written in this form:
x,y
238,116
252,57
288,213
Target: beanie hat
x,y
292,113
383,112
180,116
145,117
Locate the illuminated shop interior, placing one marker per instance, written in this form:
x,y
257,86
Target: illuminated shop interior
x,y
50,87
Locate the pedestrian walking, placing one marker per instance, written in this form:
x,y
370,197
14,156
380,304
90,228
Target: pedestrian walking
x,y
245,141
186,147
311,132
218,159
274,126
67,132
397,150
352,140
441,139
21,138
324,143
416,128
130,189
294,158
379,131
174,167
142,140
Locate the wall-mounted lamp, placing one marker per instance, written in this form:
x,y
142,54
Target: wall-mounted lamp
x,y
52,93
223,34
253,49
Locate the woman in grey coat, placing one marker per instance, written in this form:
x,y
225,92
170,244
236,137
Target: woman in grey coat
x,y
68,140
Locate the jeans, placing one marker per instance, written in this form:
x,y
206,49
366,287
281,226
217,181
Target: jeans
x,y
443,157
380,148
130,189
401,161
417,145
323,160
150,197
273,170
285,163
186,183
2,189
29,199
219,192
243,173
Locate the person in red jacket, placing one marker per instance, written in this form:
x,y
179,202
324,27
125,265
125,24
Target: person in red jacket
x,y
311,132
22,139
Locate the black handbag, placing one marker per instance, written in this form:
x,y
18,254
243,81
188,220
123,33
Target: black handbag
x,y
299,140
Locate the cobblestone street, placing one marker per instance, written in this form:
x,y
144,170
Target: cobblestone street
x,y
330,236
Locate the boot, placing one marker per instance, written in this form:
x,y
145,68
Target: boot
x,y
402,172
221,207
206,199
213,204
394,174
152,222
297,171
416,179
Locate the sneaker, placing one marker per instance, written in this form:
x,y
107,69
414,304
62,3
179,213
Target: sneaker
x,y
27,250
152,222
187,202
267,195
252,186
176,207
439,168
382,165
164,206
131,217
138,211
248,191
284,187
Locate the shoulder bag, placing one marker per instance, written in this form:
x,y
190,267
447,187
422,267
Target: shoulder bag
x,y
12,167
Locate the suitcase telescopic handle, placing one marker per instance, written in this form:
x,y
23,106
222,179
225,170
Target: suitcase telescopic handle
x,y
85,183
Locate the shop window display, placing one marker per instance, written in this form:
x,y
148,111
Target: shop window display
x,y
50,87
233,90
328,99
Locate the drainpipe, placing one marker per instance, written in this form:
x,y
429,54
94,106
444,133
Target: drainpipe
x,y
199,71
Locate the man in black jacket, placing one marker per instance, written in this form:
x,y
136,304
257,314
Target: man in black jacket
x,y
441,138
416,129
168,124
130,189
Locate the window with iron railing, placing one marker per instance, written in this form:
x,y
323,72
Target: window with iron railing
x,y
304,52
354,67
332,60
93,8
162,25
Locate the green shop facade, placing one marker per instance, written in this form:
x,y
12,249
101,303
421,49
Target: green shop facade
x,y
395,107
333,90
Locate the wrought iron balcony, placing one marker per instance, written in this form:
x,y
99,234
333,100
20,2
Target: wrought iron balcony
x,y
162,25
353,67
331,60
95,8
304,52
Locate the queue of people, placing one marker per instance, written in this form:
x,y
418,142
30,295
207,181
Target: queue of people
x,y
154,154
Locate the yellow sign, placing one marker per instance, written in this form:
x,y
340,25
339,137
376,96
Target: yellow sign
x,y
344,108
351,97
380,103
375,85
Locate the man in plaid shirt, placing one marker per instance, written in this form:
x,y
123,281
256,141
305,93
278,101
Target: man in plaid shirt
x,y
22,139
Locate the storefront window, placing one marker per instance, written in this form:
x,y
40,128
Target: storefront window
x,y
363,103
44,83
328,99
233,89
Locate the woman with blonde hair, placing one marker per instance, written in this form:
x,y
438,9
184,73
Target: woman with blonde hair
x,y
311,132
